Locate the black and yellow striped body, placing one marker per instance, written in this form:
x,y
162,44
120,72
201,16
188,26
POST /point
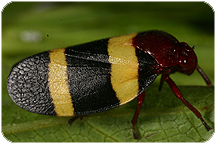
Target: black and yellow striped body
x,y
82,79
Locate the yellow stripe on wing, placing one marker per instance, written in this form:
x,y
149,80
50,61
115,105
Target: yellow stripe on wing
x,y
58,83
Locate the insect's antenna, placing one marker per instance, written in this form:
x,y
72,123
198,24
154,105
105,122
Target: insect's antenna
x,y
193,47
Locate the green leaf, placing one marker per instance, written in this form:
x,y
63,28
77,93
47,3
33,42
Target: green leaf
x,y
163,117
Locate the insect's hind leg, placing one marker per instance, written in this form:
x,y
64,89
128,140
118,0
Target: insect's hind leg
x,y
136,114
74,118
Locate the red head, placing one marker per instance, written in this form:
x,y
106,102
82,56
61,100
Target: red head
x,y
187,59
167,51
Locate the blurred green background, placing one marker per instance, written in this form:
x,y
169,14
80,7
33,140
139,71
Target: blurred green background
x,y
29,28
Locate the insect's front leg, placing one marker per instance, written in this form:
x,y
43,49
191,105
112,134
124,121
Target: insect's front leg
x,y
207,80
179,95
136,114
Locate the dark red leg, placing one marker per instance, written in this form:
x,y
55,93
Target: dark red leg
x,y
163,77
74,118
208,82
180,96
136,114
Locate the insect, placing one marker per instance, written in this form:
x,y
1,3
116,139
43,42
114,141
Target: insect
x,y
101,75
